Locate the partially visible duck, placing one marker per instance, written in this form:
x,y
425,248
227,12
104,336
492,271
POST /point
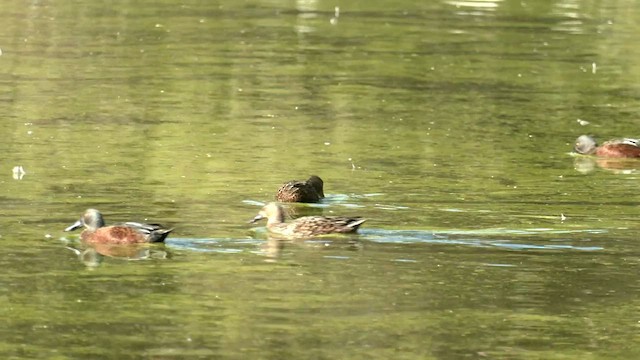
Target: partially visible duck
x,y
126,233
617,148
306,226
309,191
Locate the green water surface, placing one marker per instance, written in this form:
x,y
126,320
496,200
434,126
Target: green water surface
x,y
447,124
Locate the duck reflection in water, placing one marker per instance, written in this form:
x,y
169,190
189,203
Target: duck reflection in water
x,y
275,247
587,165
92,255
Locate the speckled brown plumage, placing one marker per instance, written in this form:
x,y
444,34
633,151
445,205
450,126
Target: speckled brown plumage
x,y
306,226
617,148
126,233
309,191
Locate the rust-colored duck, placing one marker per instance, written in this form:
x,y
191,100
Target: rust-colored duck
x,y
306,226
308,191
126,233
616,148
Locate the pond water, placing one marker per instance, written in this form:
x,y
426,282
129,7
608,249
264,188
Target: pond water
x,y
447,124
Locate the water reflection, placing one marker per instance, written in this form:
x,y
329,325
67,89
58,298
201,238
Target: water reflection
x,y
307,12
274,247
92,255
18,172
89,256
474,7
467,238
216,245
571,12
298,210
589,164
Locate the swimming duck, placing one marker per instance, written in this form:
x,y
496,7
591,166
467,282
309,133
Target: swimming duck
x,y
306,226
618,148
309,191
127,233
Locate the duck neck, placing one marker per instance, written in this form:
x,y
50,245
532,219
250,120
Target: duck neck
x,y
278,218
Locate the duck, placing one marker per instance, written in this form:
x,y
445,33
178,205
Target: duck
x,y
306,226
308,191
615,148
95,230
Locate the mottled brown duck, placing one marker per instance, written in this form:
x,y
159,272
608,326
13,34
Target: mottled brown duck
x,y
307,226
309,191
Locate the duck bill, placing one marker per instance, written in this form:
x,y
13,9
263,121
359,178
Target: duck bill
x,y
75,225
257,218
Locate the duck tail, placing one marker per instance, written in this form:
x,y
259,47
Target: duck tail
x,y
159,235
355,223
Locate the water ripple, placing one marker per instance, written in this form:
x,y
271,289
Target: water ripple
x,y
442,237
